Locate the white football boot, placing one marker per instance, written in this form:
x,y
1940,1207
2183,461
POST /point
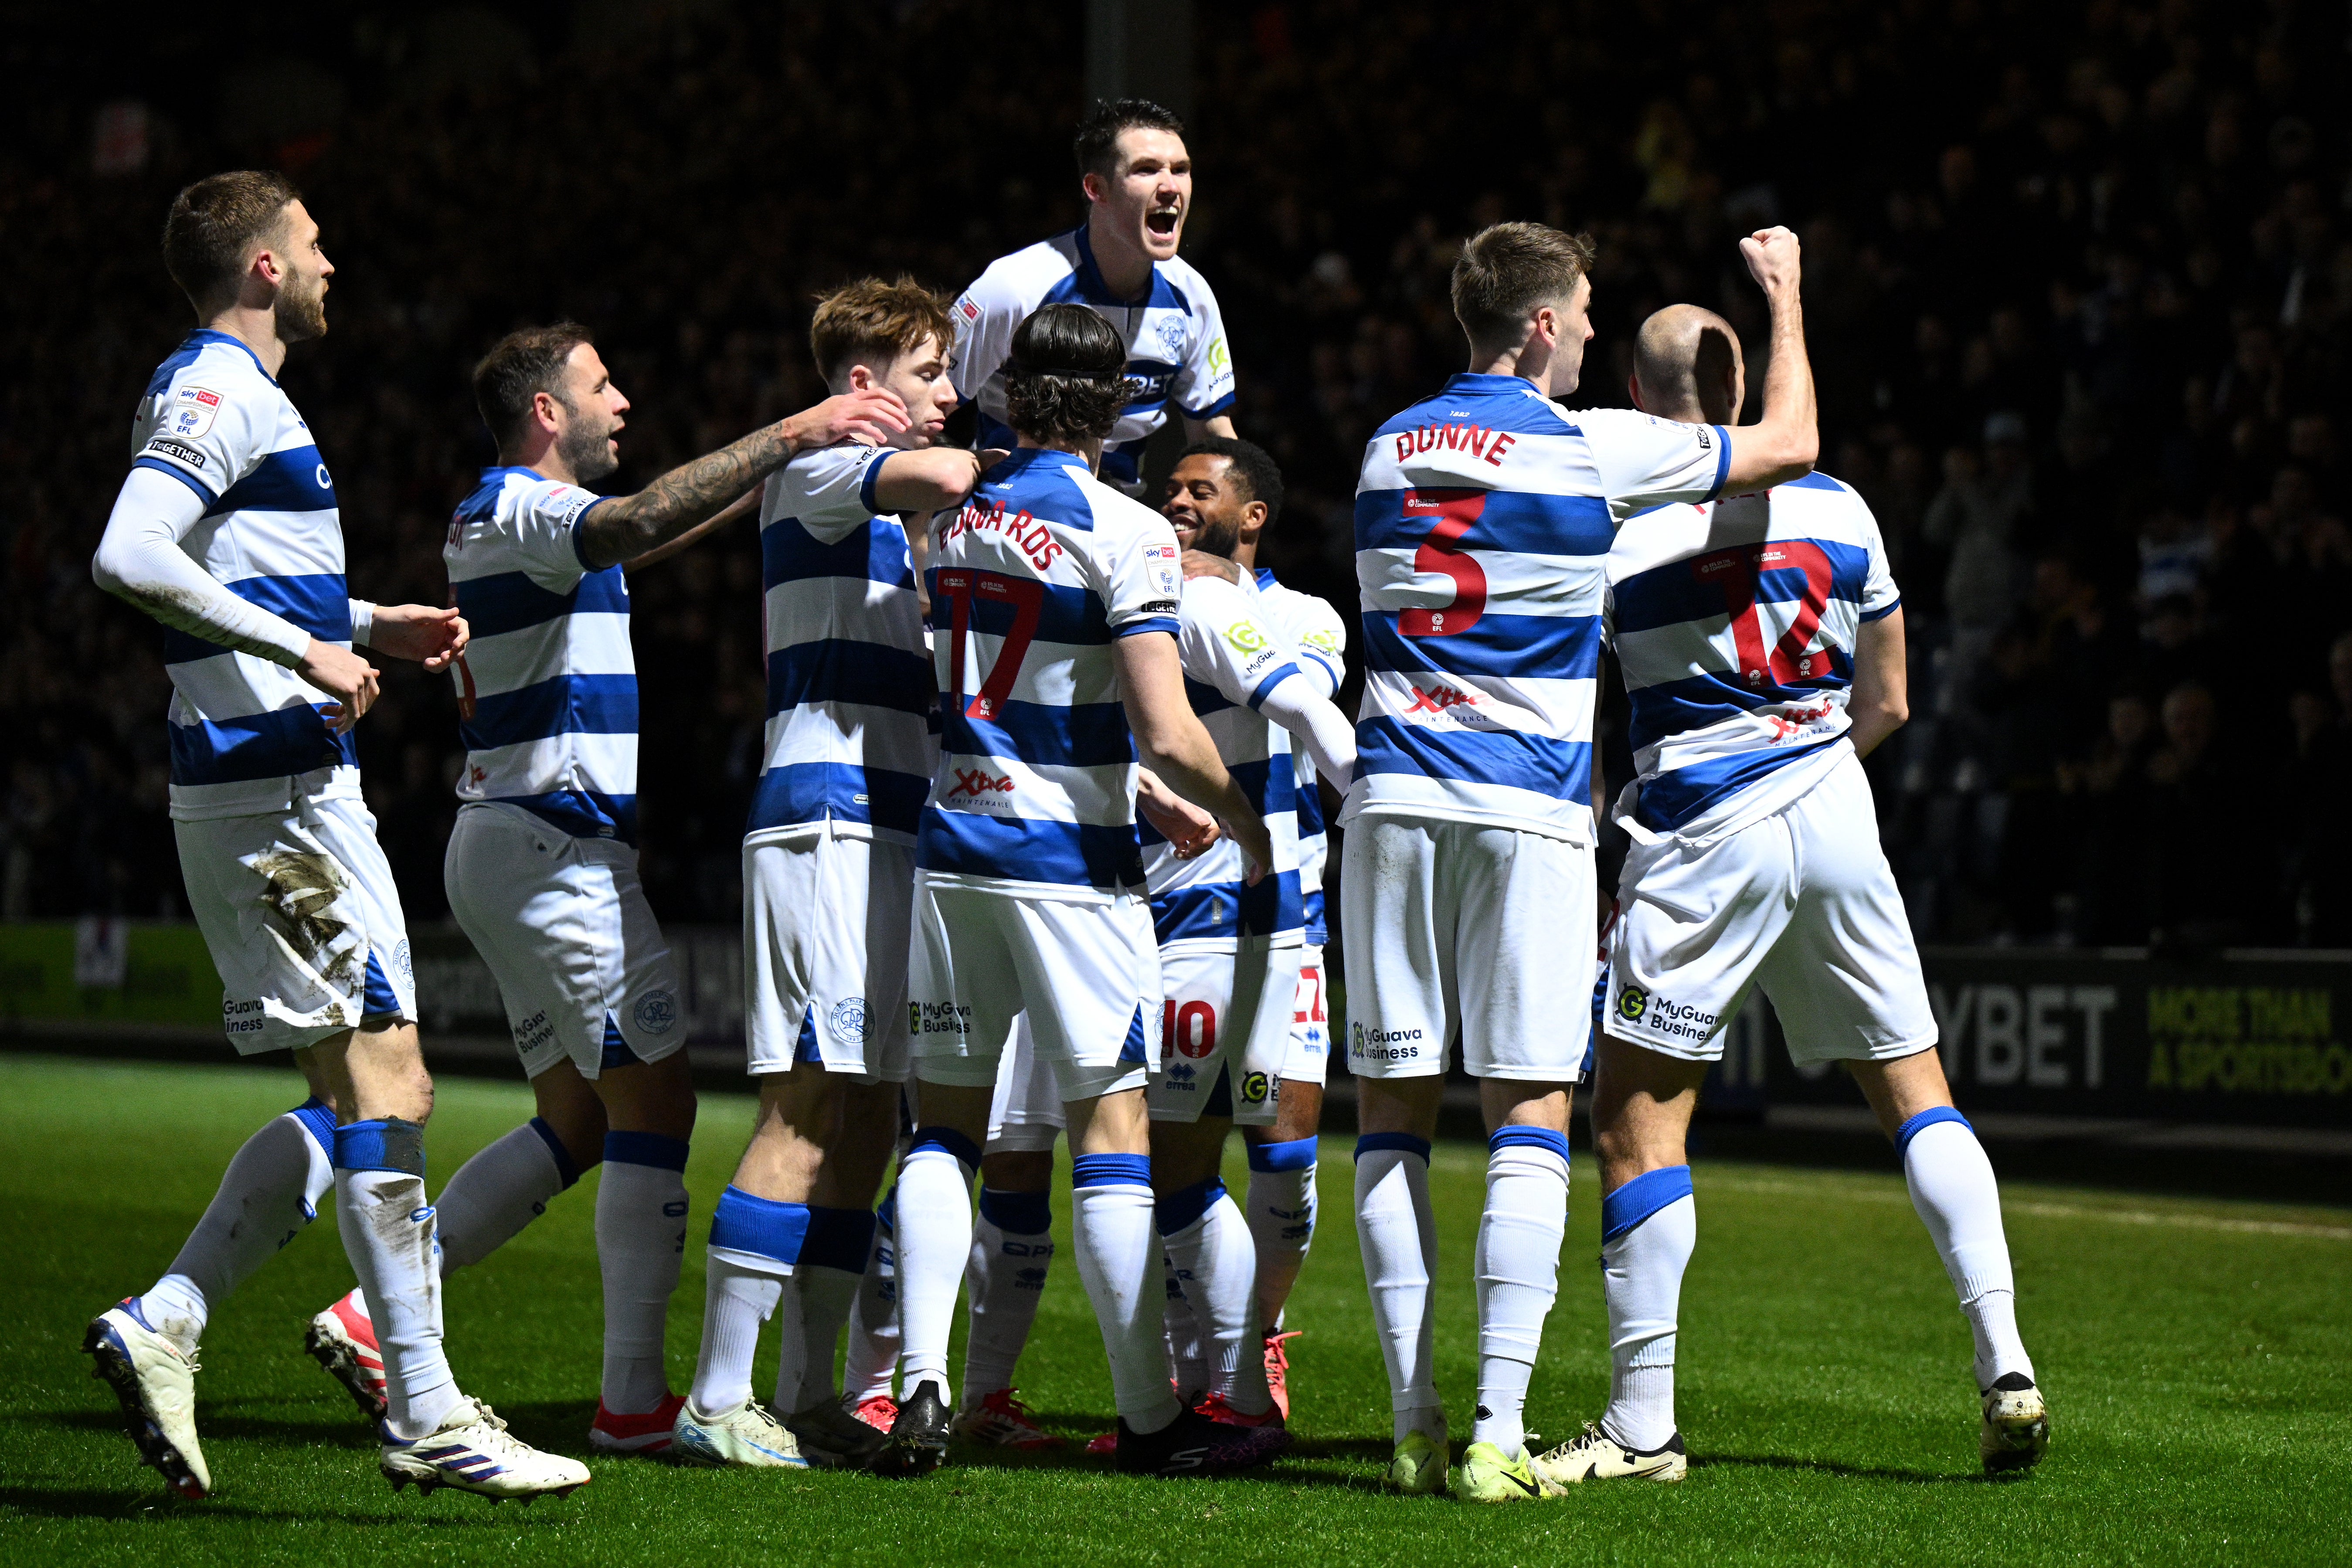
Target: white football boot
x,y
156,1383
749,1435
2016,1428
1594,1455
472,1451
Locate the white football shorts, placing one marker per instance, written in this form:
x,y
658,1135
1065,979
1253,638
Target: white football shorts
x,y
303,922
1802,903
563,924
1310,1055
1461,931
1086,972
1026,1116
824,952
1225,1032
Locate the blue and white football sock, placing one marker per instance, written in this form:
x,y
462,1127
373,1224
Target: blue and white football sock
x,y
1011,1252
1518,1272
934,1245
1208,1245
1952,1188
824,1288
502,1188
870,1365
1119,1262
269,1192
388,1235
640,1244
1398,1233
1281,1210
1649,1227
754,1244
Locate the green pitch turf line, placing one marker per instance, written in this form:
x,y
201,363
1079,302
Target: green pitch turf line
x,y
2197,1356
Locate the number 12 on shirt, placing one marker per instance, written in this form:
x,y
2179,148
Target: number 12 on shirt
x,y
965,592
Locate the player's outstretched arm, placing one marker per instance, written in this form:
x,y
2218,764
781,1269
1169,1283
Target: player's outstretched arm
x,y
1174,746
1786,442
140,560
932,479
621,527
1315,723
1880,702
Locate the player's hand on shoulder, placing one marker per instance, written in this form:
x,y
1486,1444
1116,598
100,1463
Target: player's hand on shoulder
x,y
1189,830
1772,259
344,676
1201,563
431,636
870,416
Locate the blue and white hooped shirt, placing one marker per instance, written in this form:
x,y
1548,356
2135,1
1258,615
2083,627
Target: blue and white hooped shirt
x,y
1320,636
1484,518
1175,342
1032,580
1735,624
547,690
850,697
247,735
1233,653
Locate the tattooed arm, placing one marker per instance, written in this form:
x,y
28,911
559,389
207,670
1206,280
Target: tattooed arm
x,y
621,527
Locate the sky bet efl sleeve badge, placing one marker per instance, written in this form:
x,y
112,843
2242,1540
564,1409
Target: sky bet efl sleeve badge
x,y
1160,560
193,412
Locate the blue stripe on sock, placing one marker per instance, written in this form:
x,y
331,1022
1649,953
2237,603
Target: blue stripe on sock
x,y
838,1238
1922,1122
1017,1212
1642,1197
318,1119
562,1155
1517,1135
1186,1205
1110,1170
966,1152
653,1149
1294,1155
388,1143
1372,1142
742,1223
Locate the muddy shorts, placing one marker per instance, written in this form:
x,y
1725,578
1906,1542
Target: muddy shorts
x,y
303,922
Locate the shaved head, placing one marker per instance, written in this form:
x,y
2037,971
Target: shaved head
x,y
1687,366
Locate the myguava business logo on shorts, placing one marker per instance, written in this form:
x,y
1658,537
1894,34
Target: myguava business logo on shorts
x,y
1631,1001
847,1020
657,1012
937,1017
1663,1015
1378,1044
1256,1088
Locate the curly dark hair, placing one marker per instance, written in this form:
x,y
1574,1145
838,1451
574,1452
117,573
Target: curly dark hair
x,y
1066,379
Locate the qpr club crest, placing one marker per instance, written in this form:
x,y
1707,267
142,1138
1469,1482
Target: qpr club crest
x,y
657,1012
1172,334
847,1020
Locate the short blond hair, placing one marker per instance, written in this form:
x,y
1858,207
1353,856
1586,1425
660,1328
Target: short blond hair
x,y
1509,271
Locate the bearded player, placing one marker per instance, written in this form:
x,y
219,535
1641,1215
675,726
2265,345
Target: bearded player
x,y
227,530
541,868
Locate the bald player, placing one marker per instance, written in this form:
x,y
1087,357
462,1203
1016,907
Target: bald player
x,y
1761,641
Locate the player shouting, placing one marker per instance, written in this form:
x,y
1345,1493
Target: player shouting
x,y
226,531
541,868
1055,598
1223,495
1761,640
1121,264
1482,517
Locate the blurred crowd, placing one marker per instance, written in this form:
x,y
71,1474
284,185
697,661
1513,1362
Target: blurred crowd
x,y
2078,291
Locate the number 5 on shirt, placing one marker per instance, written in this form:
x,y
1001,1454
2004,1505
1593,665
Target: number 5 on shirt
x,y
1450,513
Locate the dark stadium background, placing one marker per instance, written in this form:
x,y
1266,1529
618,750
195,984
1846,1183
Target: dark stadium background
x,y
2078,281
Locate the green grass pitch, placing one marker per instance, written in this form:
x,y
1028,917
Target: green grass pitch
x,y
2195,1353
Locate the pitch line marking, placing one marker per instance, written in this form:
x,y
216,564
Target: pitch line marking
x,y
2074,1211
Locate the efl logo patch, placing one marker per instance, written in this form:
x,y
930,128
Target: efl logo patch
x,y
191,411
968,308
